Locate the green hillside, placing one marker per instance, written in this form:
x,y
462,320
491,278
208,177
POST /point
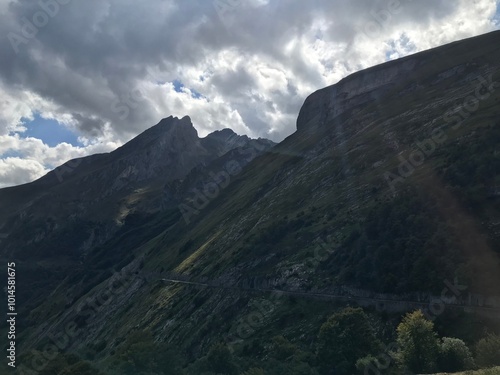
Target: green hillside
x,y
384,198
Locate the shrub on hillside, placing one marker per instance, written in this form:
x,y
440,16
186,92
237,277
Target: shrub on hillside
x,y
488,351
344,338
418,343
454,356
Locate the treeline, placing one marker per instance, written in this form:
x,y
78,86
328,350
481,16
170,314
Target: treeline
x,y
347,343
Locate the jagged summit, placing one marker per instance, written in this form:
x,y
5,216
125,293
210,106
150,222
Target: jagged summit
x,y
98,187
170,122
227,137
166,128
222,134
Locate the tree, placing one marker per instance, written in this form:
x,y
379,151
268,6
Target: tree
x,y
281,348
220,360
454,356
488,351
343,339
363,365
418,343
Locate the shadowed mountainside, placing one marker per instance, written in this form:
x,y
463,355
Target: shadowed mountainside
x,y
393,172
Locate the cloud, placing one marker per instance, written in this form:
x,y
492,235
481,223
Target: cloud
x,y
90,126
16,171
33,158
106,68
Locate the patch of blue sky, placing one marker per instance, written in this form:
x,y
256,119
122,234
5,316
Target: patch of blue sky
x,y
49,131
496,17
11,154
179,86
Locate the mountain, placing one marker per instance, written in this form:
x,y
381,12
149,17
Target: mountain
x,y
386,196
51,224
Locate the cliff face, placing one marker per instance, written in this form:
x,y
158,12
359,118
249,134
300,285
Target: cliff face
x,y
409,77
168,149
361,88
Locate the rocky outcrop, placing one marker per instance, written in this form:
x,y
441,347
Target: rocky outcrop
x,y
326,104
419,71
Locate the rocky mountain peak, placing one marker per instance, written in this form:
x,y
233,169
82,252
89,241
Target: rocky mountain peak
x,y
173,126
228,137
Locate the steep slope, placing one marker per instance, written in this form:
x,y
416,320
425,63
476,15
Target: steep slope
x,y
102,186
51,224
388,188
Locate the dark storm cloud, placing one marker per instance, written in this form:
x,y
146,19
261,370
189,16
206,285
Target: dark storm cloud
x,y
92,56
233,82
91,127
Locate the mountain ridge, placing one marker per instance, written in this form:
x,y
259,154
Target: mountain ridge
x,y
323,187
76,207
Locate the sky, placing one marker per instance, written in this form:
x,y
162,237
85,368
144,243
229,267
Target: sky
x,y
84,77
